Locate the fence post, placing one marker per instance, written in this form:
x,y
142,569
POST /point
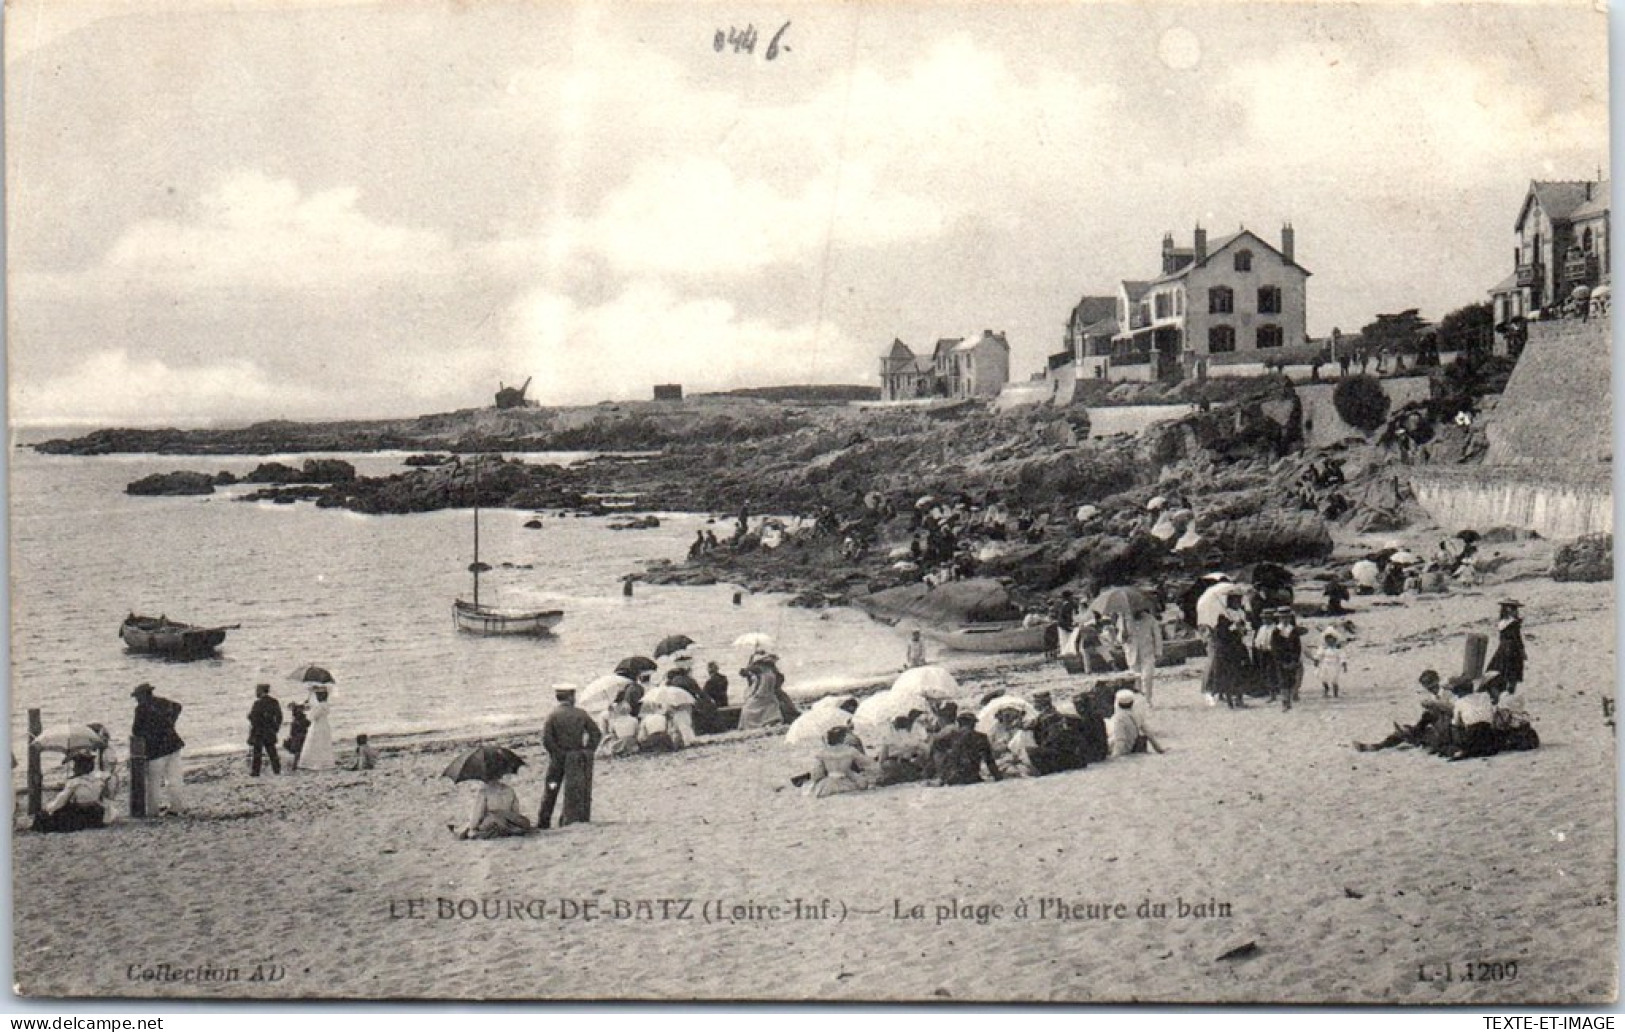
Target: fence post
x,y
138,777
36,777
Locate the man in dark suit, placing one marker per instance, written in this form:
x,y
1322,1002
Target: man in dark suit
x,y
570,737
264,721
154,724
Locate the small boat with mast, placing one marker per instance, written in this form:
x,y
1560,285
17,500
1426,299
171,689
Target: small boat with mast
x,y
490,621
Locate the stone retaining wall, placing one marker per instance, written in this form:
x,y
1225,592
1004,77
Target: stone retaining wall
x,y
1555,501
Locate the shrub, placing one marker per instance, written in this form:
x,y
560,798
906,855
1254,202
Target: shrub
x,y
1361,401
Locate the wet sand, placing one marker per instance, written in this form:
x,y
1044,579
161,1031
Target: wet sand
x,y
1367,877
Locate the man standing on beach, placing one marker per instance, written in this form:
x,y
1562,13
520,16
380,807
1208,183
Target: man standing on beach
x,y
155,718
570,737
264,721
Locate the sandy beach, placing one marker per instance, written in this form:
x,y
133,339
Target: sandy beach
x,y
1390,877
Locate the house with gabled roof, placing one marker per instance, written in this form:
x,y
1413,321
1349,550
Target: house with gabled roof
x,y
1238,297
1560,244
956,368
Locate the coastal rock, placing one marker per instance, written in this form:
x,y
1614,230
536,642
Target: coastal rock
x,y
180,482
1587,559
978,600
314,471
1280,536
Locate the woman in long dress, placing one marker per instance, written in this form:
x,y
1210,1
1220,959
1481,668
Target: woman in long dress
x,y
1228,655
761,708
840,767
317,753
494,813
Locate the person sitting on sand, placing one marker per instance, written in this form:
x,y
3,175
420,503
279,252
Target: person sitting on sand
x,y
1472,722
493,813
1096,736
79,805
657,732
716,685
1431,730
620,732
1058,740
1012,745
902,752
839,767
366,757
1127,728
958,756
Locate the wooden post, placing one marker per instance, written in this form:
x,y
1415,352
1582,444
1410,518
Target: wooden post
x,y
739,598
138,778
36,777
626,586
1472,655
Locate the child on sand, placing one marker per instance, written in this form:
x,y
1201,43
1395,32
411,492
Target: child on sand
x,y
1331,663
366,757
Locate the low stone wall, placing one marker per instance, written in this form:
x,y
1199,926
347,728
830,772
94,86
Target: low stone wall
x,y
1323,426
1555,501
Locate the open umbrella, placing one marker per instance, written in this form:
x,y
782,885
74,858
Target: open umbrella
x,y
925,500
878,711
1271,576
832,701
600,692
672,644
312,674
811,727
667,697
754,640
1123,601
1212,602
1404,557
988,714
482,763
632,666
927,682
70,738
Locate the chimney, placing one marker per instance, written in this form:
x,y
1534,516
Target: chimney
x,y
1167,253
1588,189
1200,246
1288,240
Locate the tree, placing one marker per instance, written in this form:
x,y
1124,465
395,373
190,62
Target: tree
x,y
1400,332
1468,328
1361,401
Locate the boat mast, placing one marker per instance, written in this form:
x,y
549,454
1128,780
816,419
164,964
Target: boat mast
x,y
475,567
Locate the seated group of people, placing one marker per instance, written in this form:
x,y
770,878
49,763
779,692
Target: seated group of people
x,y
1466,718
944,747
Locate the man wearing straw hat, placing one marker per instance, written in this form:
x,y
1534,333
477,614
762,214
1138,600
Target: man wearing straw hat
x,y
571,738
155,718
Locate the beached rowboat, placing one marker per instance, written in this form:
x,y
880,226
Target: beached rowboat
x,y
165,637
1013,636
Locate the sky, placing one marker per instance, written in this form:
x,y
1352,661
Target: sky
x,y
300,210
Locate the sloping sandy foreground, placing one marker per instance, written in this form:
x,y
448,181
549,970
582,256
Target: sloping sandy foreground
x,y
1383,877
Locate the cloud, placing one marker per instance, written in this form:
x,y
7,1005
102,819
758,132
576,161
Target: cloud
x,y
256,233
111,386
648,334
1448,116
698,217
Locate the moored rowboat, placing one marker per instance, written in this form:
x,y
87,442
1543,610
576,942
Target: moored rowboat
x,y
487,620
1013,636
166,637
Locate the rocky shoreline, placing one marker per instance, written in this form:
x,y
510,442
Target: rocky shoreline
x,y
1238,464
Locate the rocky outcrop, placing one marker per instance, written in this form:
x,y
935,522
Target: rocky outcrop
x,y
1589,558
953,604
180,482
314,471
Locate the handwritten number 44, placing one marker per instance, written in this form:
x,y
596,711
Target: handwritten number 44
x,y
743,41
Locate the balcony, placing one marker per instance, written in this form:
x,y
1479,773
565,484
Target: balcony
x,y
1528,275
1579,268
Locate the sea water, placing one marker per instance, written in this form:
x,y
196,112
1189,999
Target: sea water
x,y
367,597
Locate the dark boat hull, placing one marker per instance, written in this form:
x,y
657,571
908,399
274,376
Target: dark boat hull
x,y
160,636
